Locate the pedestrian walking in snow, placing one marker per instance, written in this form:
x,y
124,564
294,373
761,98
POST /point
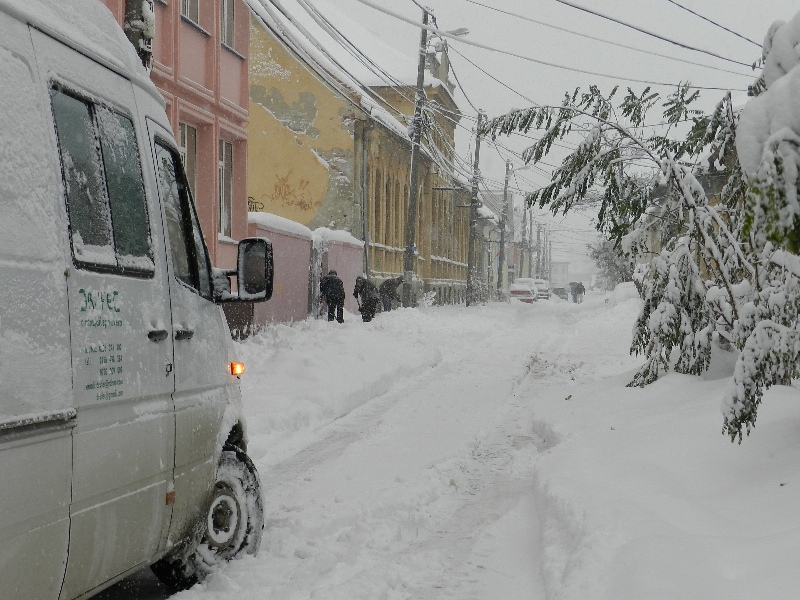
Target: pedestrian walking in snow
x,y
331,290
388,292
581,291
367,297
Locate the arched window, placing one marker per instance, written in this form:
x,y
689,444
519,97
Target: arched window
x,y
399,217
377,213
388,212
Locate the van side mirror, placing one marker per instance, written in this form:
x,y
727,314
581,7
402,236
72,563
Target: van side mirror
x,y
255,269
254,273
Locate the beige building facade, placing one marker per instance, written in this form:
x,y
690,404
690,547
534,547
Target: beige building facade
x,y
326,154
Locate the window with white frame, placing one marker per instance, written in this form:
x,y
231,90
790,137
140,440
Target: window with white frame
x,y
227,23
191,10
187,145
225,187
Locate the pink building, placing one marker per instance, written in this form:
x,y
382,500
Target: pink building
x,y
200,65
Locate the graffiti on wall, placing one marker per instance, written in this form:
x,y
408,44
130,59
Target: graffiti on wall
x,y
287,192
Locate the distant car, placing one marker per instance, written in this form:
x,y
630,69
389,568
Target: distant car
x,y
523,292
542,289
560,292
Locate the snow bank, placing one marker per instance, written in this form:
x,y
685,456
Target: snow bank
x,y
623,292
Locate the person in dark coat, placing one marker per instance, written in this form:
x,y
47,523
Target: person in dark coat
x,y
573,290
331,289
367,296
388,292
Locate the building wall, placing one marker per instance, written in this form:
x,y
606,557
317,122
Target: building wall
x,y
205,85
301,140
317,159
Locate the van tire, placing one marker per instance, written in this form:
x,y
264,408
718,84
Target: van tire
x,y
231,525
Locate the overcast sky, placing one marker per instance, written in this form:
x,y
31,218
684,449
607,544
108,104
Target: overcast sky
x,y
547,84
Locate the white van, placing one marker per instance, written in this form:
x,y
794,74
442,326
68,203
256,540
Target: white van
x,y
122,442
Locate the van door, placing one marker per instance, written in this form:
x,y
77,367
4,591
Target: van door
x,y
201,345
123,443
36,412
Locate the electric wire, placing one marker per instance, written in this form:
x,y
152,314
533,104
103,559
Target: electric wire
x,y
650,33
597,39
747,39
354,51
532,59
301,52
524,97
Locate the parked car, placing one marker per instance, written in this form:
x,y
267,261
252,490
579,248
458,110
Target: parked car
x,y
542,289
523,291
122,440
560,292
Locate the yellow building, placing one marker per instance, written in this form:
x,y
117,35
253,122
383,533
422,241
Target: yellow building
x,y
325,152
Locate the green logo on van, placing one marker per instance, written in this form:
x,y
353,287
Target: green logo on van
x,y
94,300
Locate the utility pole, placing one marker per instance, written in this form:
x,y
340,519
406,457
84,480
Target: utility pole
x,y
523,240
473,214
530,242
501,260
413,186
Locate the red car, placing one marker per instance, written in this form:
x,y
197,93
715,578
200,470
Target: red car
x,y
523,292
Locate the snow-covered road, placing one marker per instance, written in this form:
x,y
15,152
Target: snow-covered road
x,y
397,457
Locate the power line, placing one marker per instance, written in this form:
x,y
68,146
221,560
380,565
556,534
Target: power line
x,y
597,39
650,33
530,58
508,87
713,22
301,52
354,51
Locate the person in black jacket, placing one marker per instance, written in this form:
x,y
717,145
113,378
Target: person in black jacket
x,y
331,289
388,291
367,296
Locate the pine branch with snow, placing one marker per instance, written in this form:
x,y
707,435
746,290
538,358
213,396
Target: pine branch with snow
x,y
693,260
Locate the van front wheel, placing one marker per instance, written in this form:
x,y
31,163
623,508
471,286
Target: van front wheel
x,y
231,525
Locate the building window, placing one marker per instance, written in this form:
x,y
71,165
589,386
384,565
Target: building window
x,y
191,10
187,144
227,23
390,241
225,187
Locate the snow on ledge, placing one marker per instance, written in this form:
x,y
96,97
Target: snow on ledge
x,y
279,224
337,235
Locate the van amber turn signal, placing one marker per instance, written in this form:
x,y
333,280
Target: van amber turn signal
x,y
236,368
